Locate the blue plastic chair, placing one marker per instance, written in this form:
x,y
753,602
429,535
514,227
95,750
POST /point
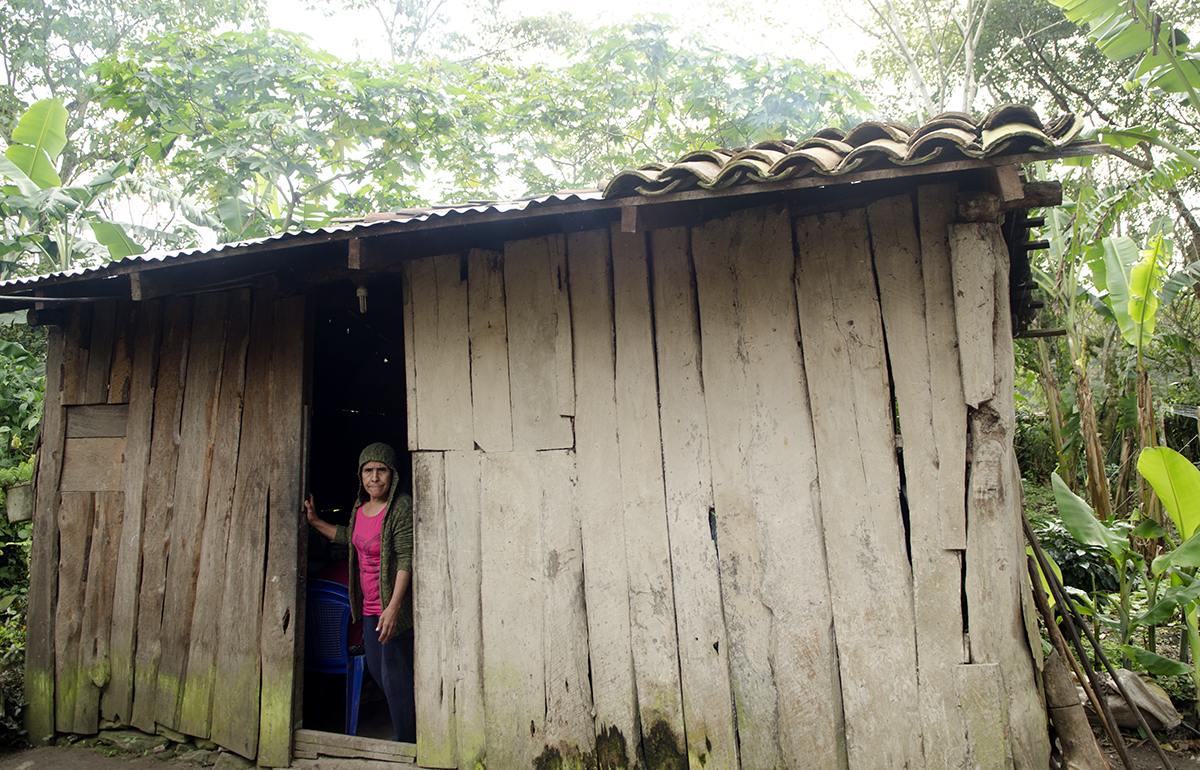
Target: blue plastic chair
x,y
325,649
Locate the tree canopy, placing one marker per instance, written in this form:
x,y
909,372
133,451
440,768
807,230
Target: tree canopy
x,y
239,130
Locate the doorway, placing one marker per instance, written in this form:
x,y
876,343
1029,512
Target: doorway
x,y
358,398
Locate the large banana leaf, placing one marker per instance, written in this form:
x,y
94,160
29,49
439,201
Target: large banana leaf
x,y
1145,279
10,171
1082,523
1177,483
38,139
1120,255
1122,30
113,237
236,215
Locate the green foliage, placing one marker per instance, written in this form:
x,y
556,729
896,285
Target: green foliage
x,y
272,134
1085,567
40,137
12,664
1123,30
38,215
22,380
1034,446
1177,483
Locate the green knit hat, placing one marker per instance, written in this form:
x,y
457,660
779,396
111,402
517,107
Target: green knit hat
x,y
378,453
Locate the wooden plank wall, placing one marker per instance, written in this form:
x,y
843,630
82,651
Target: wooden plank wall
x,y
666,517
659,509
153,517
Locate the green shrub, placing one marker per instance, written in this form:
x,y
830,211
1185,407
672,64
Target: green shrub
x,y
12,669
1034,446
22,381
1086,567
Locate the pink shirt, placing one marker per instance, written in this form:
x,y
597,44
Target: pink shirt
x,y
368,533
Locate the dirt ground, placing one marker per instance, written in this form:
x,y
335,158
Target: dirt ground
x,y
81,758
1183,757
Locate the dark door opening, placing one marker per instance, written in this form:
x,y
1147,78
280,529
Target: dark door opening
x,y
358,398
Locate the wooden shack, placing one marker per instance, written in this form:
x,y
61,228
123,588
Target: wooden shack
x,y
713,468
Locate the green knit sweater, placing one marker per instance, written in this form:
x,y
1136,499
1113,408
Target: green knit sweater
x,y
396,542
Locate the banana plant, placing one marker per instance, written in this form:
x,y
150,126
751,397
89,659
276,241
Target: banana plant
x,y
1113,536
1177,483
41,217
1167,63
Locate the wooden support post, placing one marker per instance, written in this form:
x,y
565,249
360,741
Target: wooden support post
x,y
994,546
463,517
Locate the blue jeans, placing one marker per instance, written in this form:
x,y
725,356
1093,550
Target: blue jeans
x,y
391,666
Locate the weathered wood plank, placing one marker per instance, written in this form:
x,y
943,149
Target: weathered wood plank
x,y
75,516
410,367
433,616
463,514
97,421
935,209
995,544
116,704
490,402
442,354
981,690
160,506
196,432
77,341
973,266
97,610
602,521
852,410
570,736
726,398
120,375
937,573
43,551
279,639
104,322
513,668
703,650
92,464
533,306
238,661
781,649
781,468
647,545
333,744
197,706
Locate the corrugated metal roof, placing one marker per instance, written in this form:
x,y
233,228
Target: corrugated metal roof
x,y
1009,129
346,228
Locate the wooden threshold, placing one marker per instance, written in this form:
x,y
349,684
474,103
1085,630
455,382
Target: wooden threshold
x,y
313,743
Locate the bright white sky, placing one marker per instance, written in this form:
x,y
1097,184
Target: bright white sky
x,y
806,30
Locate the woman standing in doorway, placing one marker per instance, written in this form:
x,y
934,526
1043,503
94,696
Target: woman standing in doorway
x,y
380,533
